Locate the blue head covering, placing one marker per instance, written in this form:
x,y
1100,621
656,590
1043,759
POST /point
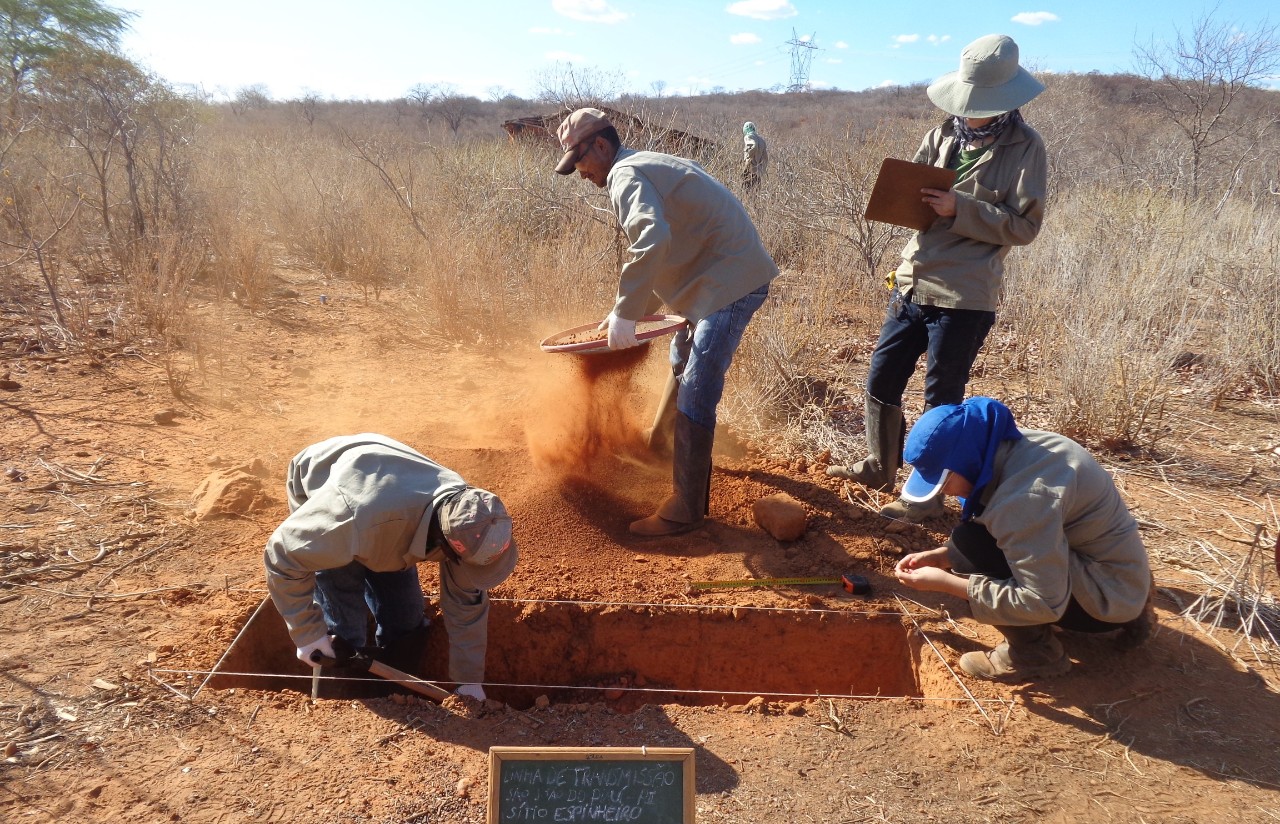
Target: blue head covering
x,y
959,438
748,128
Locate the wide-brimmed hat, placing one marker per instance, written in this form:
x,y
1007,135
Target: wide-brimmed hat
x,y
476,525
989,82
574,131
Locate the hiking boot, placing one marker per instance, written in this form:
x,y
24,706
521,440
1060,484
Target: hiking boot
x,y
1028,654
879,470
1136,632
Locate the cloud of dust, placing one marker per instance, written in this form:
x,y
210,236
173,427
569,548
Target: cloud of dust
x,y
574,414
584,410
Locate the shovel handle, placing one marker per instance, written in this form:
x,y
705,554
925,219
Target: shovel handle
x,y
408,681
360,661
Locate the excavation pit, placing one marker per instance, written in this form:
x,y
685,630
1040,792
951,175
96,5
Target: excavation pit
x,y
628,655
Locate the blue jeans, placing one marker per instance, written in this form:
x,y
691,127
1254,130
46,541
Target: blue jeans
x,y
701,355
951,337
347,594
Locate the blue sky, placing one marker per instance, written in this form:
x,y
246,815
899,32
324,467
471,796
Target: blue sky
x,y
379,49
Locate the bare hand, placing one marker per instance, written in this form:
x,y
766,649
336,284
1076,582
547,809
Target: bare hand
x,y
936,557
943,202
932,579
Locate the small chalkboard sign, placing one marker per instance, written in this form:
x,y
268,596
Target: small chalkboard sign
x,y
646,785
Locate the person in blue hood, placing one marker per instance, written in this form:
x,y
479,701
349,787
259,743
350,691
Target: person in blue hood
x,y
1044,540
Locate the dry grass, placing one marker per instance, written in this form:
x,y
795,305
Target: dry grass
x,y
1132,291
1237,606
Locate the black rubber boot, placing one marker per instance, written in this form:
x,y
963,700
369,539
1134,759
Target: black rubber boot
x,y
879,470
691,481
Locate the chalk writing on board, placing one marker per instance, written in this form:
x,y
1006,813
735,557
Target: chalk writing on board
x,y
557,791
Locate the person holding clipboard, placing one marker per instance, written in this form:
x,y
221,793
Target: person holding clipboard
x,y
945,290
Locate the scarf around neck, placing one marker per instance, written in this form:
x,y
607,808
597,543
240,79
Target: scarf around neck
x,y
995,128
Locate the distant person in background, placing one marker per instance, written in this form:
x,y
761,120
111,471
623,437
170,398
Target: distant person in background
x,y
1045,540
693,247
945,290
364,511
755,156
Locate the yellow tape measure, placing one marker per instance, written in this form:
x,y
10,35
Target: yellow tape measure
x,y
764,582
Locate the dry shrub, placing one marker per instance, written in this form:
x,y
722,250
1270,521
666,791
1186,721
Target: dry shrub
x,y
522,251
779,389
157,273
328,214
1242,268
810,210
239,240
1108,297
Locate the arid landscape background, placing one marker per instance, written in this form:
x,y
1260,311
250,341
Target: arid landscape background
x,y
191,293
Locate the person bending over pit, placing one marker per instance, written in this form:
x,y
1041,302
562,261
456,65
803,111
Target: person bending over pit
x,y
364,510
694,248
1045,540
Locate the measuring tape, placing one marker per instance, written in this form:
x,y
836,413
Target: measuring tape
x,y
855,584
764,582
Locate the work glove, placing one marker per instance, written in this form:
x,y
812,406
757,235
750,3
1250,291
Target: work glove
x,y
622,332
471,691
323,645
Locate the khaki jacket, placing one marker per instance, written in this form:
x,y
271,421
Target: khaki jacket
x,y
692,243
370,499
1065,531
755,155
958,262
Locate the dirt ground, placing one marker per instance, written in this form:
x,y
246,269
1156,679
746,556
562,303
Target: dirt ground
x,y
118,596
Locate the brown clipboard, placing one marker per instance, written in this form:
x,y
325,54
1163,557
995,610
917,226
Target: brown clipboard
x,y
895,198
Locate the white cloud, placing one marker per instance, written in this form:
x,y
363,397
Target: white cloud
x,y
763,9
906,38
835,61
744,39
936,40
840,44
565,57
886,84
547,30
589,11
1034,18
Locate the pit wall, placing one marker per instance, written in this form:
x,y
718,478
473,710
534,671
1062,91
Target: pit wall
x,y
635,654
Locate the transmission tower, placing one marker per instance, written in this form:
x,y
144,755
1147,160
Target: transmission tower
x,y
801,57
